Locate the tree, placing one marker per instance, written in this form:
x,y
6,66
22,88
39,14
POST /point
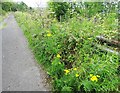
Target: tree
x,y
60,9
86,9
22,6
12,6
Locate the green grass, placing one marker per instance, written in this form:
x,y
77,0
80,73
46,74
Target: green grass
x,y
1,18
3,26
67,51
3,14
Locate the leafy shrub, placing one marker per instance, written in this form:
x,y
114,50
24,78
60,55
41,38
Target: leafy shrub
x,y
65,10
2,11
60,9
12,6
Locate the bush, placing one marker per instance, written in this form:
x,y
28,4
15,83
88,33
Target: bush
x,y
12,6
60,9
65,10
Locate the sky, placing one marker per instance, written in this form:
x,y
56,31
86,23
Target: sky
x,y
34,3
43,3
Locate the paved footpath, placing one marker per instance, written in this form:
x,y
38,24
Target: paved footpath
x,y
0,58
20,72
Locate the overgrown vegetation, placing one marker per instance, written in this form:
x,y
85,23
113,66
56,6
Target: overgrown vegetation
x,y
12,6
87,9
7,7
68,52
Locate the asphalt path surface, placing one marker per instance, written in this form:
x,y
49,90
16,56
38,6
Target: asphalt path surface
x,y
20,71
0,58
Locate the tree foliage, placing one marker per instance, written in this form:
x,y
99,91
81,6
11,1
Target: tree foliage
x,y
59,8
86,9
12,6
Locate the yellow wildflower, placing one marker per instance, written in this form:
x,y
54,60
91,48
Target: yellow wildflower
x,y
49,34
75,69
66,71
91,75
77,75
94,78
58,55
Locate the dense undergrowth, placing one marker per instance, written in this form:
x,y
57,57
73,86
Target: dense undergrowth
x,y
67,51
2,15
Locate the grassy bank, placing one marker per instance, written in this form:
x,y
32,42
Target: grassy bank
x,y
67,51
3,14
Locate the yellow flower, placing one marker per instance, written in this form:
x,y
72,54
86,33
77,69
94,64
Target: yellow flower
x,y
91,75
58,55
94,78
49,34
75,69
77,75
66,71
